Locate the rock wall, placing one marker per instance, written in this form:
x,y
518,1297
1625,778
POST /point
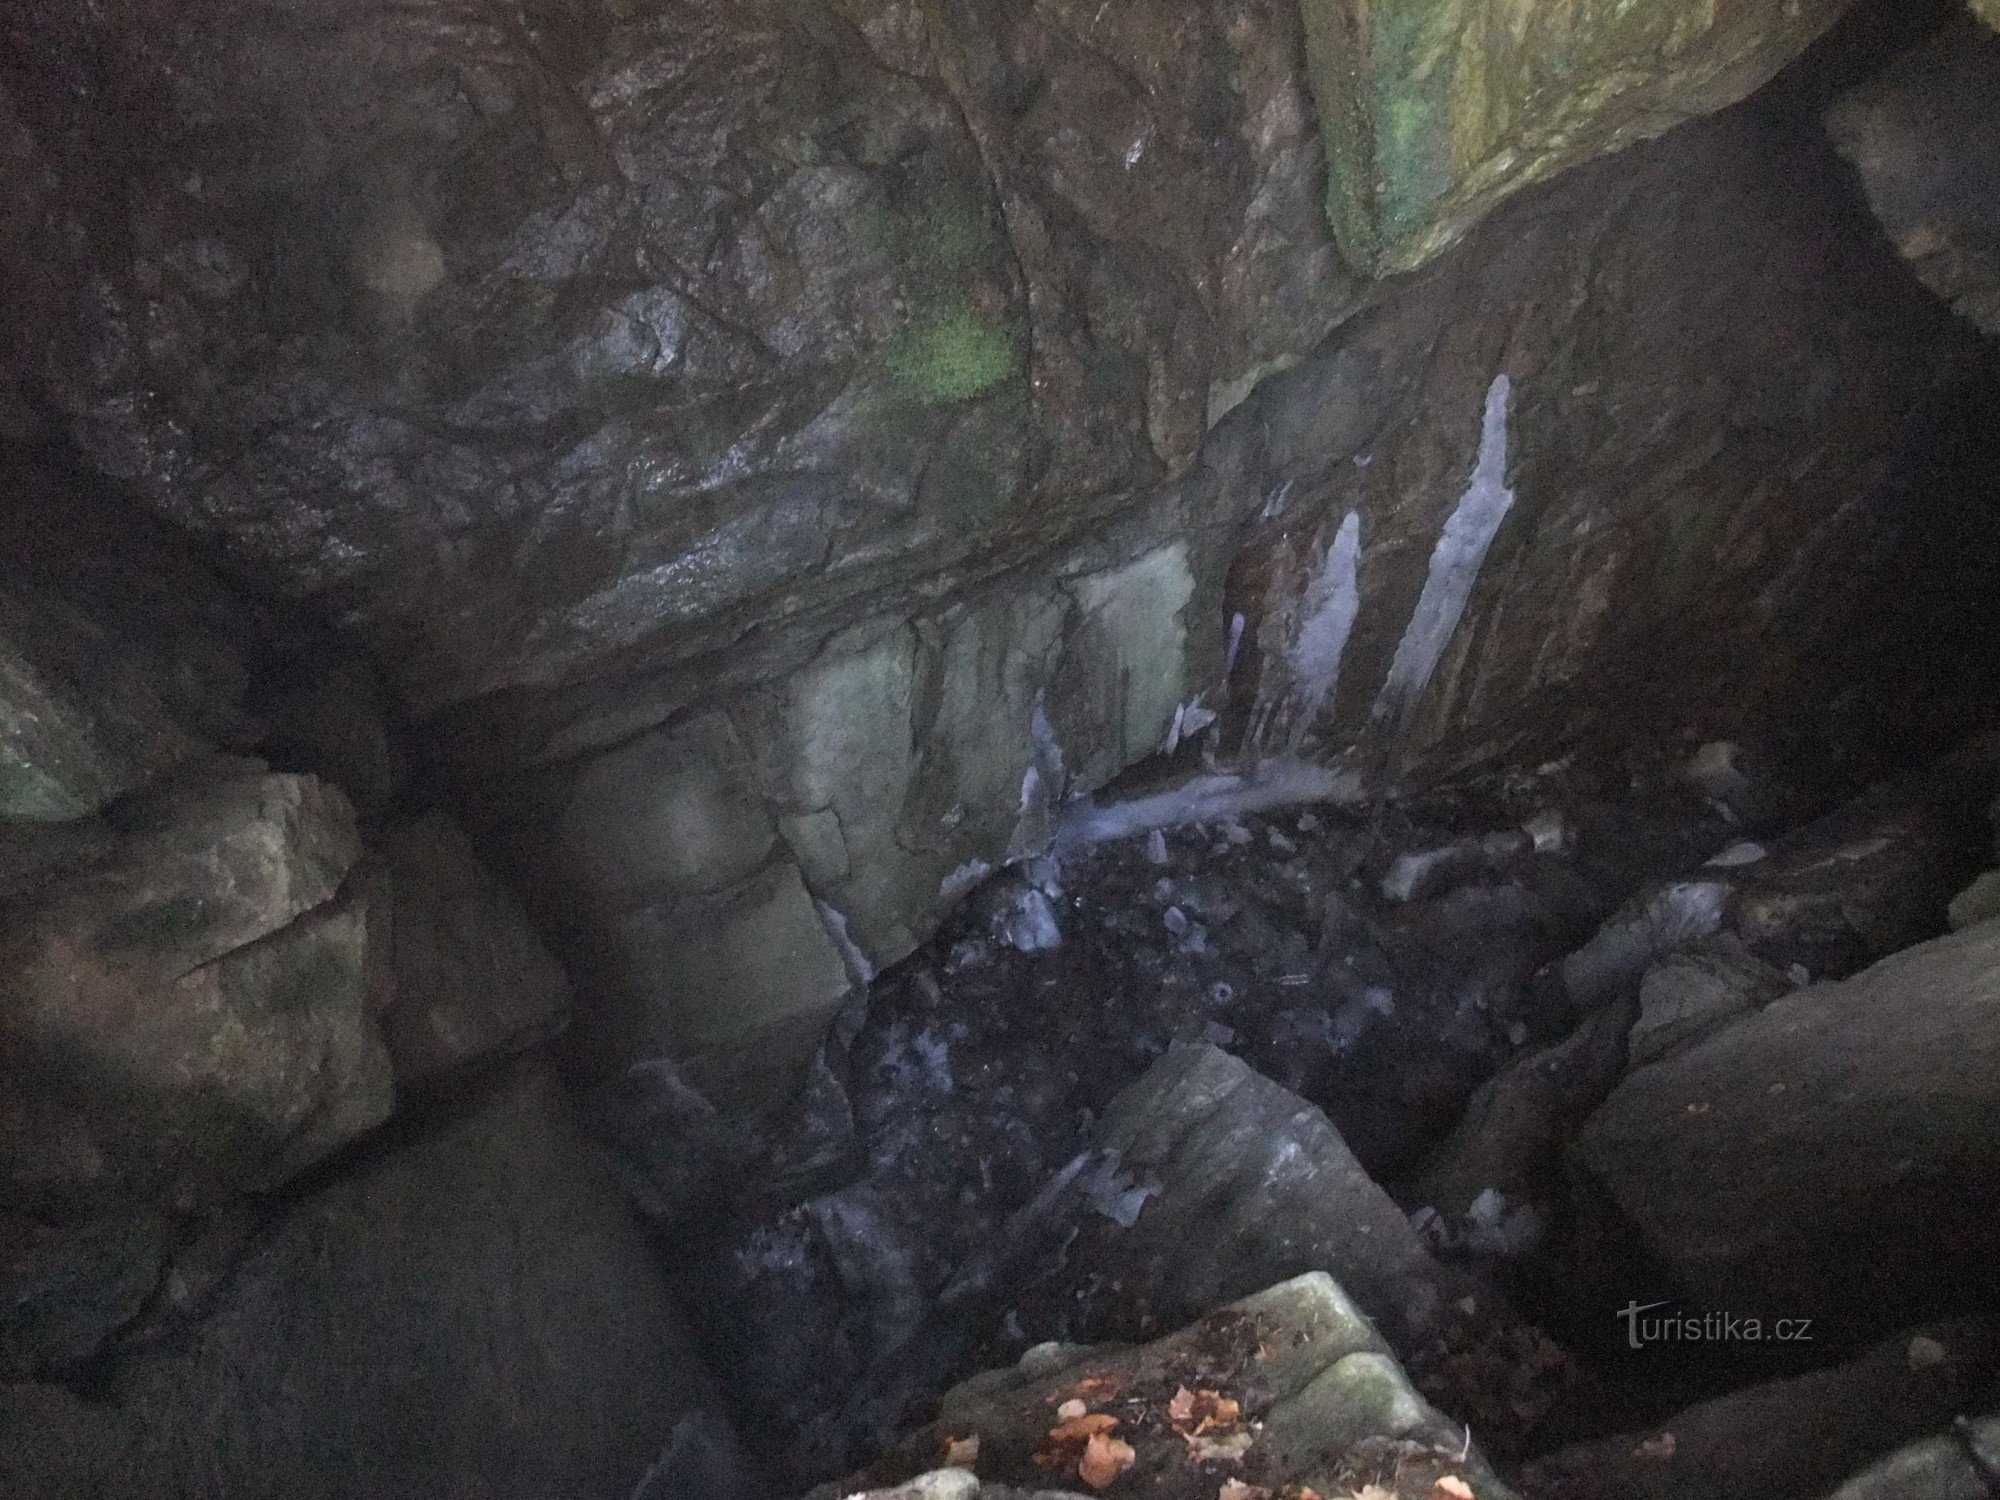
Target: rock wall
x,y
779,458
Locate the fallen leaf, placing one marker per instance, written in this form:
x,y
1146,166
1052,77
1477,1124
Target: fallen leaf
x,y
1454,1487
1370,1492
961,1453
1181,1408
1104,1459
1070,1410
1236,1489
1089,1425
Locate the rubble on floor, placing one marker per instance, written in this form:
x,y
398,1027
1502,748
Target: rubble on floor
x,y
1124,1088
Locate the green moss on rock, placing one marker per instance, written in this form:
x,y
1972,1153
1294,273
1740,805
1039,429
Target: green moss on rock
x,y
954,354
1433,111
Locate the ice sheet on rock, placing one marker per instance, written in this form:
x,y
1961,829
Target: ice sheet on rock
x,y
1213,798
1332,600
860,972
1455,563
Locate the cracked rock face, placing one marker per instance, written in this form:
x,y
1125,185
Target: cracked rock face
x,y
775,455
529,348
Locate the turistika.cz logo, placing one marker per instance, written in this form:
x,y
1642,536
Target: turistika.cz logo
x,y
1646,1324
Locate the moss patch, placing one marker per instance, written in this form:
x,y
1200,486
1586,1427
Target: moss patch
x,y
953,354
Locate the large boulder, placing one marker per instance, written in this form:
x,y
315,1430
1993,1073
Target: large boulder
x,y
470,1312
1845,1136
1785,1439
192,1016
1290,1386
1242,1182
1925,137
1434,112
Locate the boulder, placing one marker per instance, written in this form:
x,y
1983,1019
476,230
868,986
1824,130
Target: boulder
x,y
1925,138
1434,113
471,1311
1249,1183
1874,875
190,1016
1846,1135
470,977
1498,1175
1688,994
1786,1439
1291,1386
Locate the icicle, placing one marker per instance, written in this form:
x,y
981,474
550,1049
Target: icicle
x,y
1331,602
1455,563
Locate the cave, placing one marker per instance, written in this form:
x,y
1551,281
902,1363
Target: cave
x,y
969,749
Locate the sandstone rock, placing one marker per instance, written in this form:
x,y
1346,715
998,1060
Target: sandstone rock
x,y
1925,138
1257,1186
471,978
1786,1439
470,1312
189,1016
1845,1135
1433,113
1316,1399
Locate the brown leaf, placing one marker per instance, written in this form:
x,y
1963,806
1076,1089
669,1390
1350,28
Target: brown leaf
x,y
1070,1410
1181,1408
1104,1459
1236,1489
961,1453
1089,1425
1454,1488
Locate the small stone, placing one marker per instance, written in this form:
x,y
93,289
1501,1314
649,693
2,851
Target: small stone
x,y
1926,1353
